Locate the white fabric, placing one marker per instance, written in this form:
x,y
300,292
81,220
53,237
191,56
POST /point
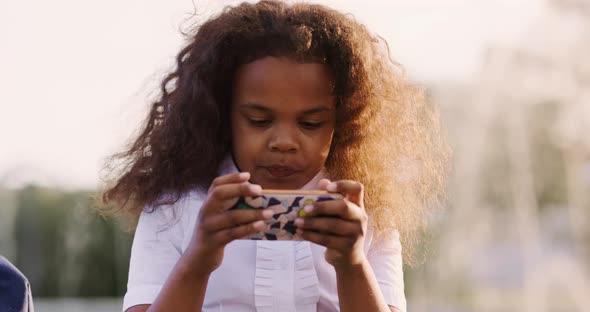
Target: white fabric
x,y
255,276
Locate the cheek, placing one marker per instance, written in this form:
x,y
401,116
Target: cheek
x,y
240,130
246,143
323,142
328,136
238,136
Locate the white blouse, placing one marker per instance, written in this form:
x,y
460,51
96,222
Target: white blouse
x,y
261,276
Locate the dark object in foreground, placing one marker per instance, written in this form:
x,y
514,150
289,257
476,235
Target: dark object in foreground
x,y
15,291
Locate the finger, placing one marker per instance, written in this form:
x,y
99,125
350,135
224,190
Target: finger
x,y
225,236
341,208
351,189
341,243
323,184
229,191
233,218
334,226
233,178
221,194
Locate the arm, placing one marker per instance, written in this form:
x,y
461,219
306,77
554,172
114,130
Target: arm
x,y
358,289
184,291
185,287
340,226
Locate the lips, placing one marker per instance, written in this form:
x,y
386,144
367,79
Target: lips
x,y
279,171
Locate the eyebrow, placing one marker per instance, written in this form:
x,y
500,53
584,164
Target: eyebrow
x,y
260,107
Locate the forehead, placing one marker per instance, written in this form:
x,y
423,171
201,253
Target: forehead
x,y
280,81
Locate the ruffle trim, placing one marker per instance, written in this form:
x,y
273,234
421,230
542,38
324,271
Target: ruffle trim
x,y
269,290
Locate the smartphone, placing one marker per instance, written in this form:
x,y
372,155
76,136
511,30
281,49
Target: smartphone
x,y
287,205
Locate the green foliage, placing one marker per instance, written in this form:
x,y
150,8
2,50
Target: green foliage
x,y
65,248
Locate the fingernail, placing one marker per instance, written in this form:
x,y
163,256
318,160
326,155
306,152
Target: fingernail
x,y
255,188
244,175
298,222
259,225
308,208
267,213
331,187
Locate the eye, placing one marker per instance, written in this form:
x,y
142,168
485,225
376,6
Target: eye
x,y
310,125
259,122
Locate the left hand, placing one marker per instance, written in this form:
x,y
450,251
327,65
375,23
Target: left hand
x,y
339,225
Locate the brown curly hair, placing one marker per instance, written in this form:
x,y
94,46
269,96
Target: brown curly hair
x,y
386,136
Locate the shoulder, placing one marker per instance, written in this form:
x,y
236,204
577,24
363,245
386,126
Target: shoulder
x,y
173,211
10,273
170,203
162,233
385,257
382,240
13,289
386,240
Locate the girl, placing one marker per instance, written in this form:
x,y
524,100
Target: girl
x,y
278,96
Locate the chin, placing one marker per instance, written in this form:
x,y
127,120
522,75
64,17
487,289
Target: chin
x,y
282,185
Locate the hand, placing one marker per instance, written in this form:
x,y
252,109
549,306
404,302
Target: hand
x,y
339,225
216,226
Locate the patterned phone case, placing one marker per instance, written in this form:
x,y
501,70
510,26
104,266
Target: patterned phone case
x,y
287,208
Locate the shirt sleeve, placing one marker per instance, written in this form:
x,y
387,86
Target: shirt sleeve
x,y
156,248
385,257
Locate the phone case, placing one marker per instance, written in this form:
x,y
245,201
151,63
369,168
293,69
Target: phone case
x,y
287,205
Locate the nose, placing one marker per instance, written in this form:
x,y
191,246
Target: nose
x,y
284,140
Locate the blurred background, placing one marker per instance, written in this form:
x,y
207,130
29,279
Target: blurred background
x,y
511,78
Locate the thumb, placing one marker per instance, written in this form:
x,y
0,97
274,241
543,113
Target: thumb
x,y
353,190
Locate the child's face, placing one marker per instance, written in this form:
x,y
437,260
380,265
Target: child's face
x,y
282,116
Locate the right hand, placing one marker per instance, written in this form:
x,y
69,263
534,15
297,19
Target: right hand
x,y
216,226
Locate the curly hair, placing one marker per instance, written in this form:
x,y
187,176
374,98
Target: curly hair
x,y
386,136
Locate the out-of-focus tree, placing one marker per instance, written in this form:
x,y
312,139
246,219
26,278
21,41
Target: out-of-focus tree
x,y
65,248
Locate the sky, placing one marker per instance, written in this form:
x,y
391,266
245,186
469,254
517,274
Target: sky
x,y
75,76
